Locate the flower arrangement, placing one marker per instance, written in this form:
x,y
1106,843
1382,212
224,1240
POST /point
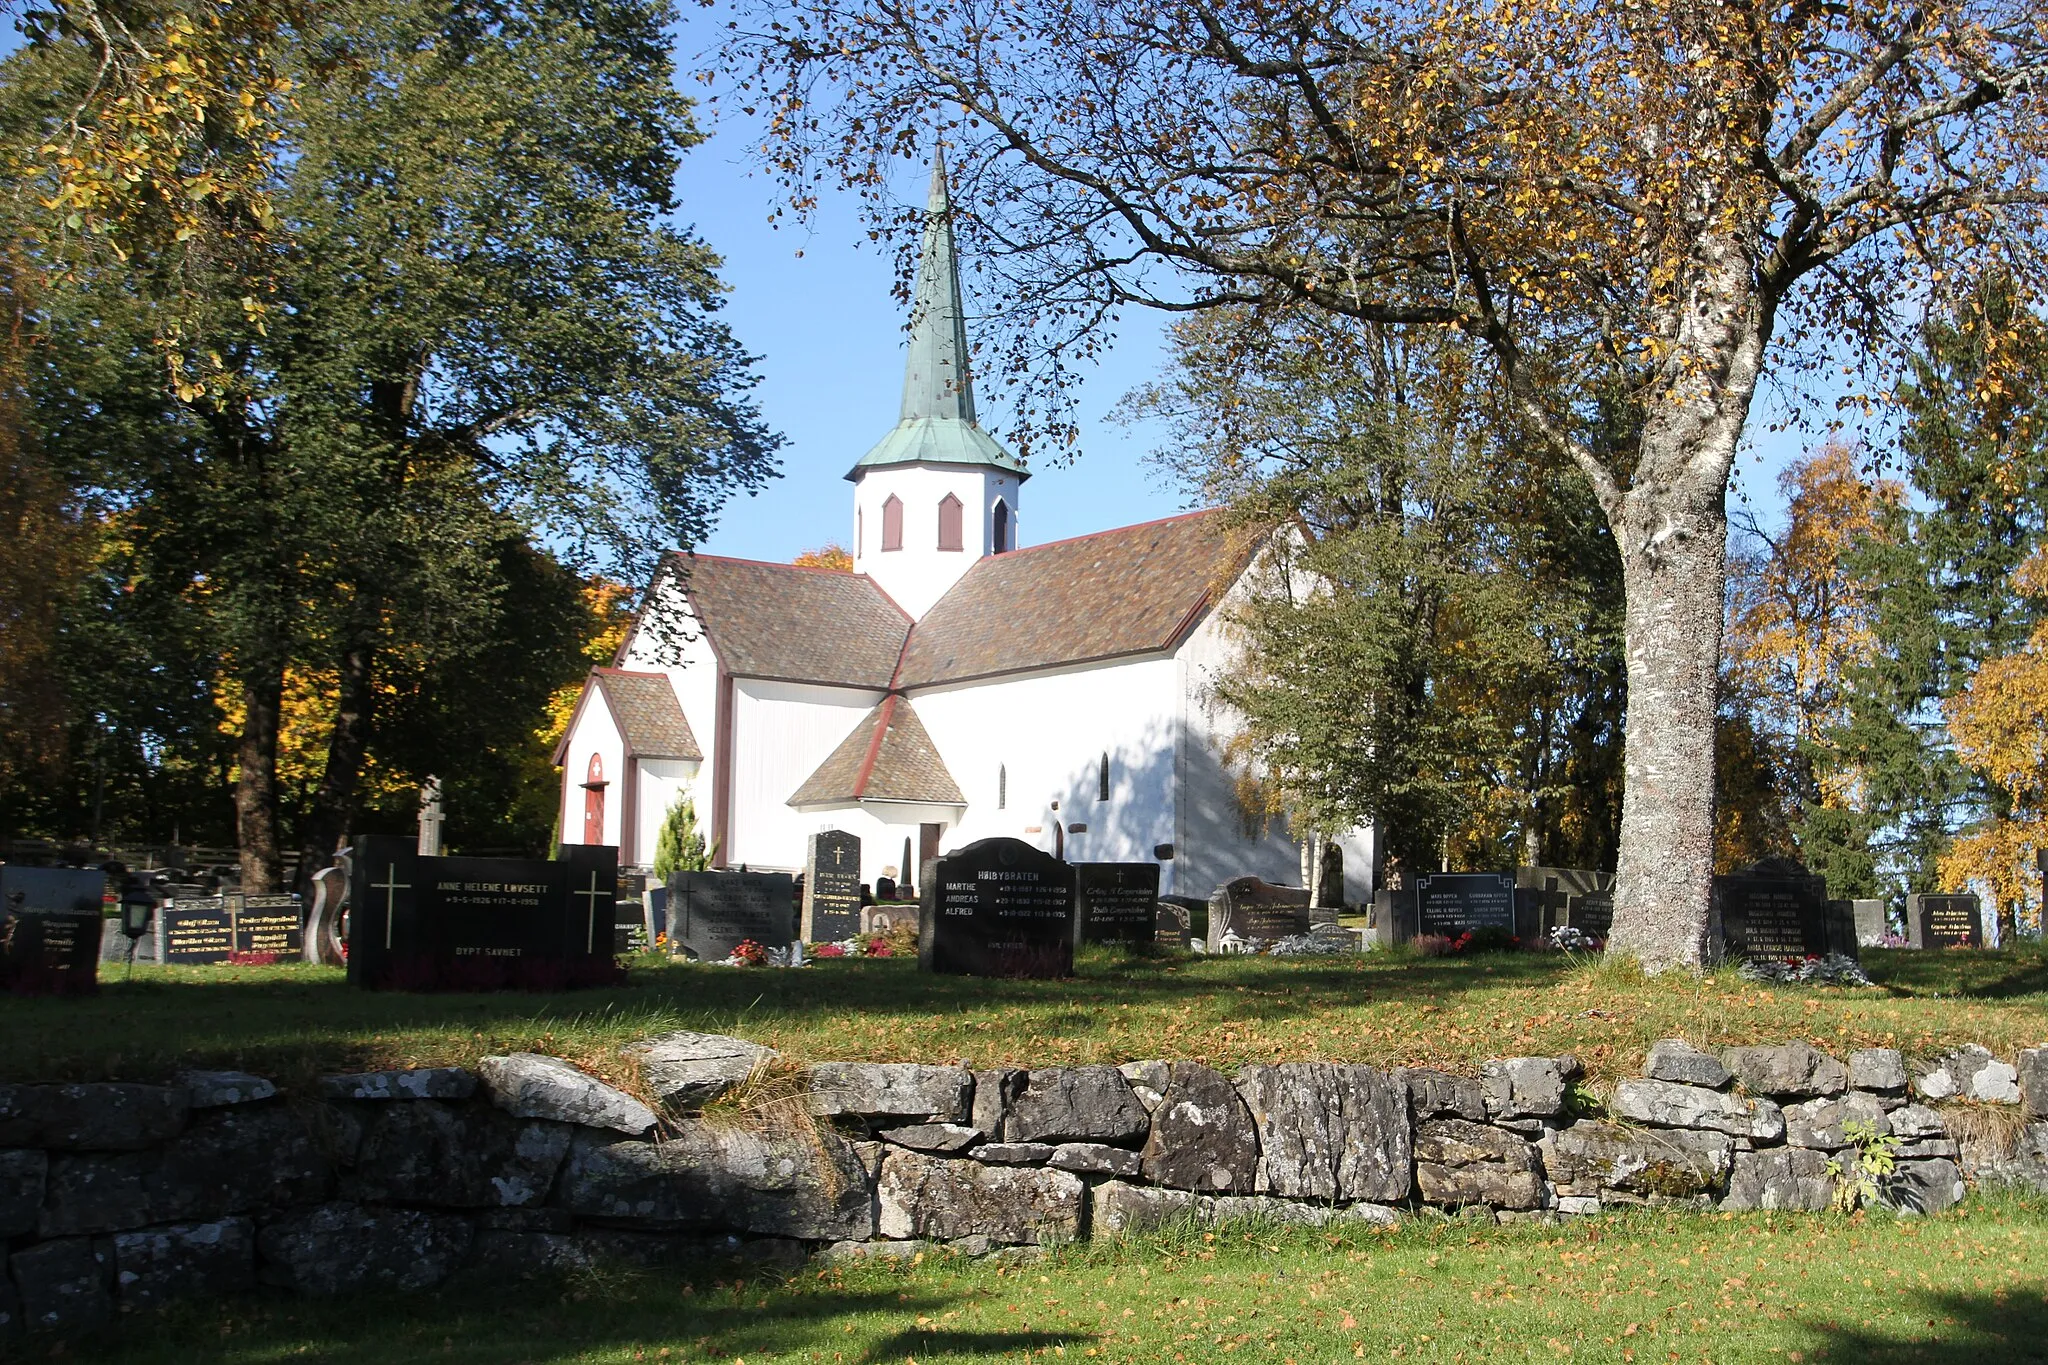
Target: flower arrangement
x,y
828,950
749,954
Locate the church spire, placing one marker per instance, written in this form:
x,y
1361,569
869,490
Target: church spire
x,y
936,382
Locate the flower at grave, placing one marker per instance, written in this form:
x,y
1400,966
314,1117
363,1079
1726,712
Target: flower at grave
x,y
252,959
828,950
749,953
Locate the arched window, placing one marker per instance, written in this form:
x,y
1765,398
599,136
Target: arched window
x,y
1002,786
999,538
1102,778
892,523
949,522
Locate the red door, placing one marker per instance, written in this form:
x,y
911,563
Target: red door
x,y
593,802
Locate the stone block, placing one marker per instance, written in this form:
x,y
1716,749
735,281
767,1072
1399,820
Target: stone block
x,y
1675,1060
1607,1161
1525,1088
685,1071
184,1261
1799,1070
455,1156
1116,1207
1458,1162
1994,1083
942,1138
1578,1206
1014,1153
869,1253
1925,1187
1077,1104
10,1313
1934,1081
63,1286
994,1092
1782,1178
343,1248
417,1083
22,1177
1329,1132
1095,1158
1202,1137
528,1085
110,1117
1880,1070
779,1185
896,1092
501,1255
922,1196
1665,1104
1914,1122
1148,1081
2033,1074
230,1161
1438,1094
1821,1124
218,1089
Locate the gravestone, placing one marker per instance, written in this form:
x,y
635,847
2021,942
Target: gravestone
x,y
831,912
1394,918
1867,917
629,915
1256,911
194,931
1175,926
1777,909
1116,902
712,913
1556,897
1944,921
998,907
1449,904
424,923
50,928
265,924
654,911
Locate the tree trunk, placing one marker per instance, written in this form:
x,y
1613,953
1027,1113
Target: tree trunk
x,y
256,831
1674,572
338,800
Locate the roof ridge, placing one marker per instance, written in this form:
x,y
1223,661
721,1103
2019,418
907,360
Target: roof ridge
x,y
769,564
1106,531
884,714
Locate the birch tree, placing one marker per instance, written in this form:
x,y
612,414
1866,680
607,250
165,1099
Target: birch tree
x,y
1676,195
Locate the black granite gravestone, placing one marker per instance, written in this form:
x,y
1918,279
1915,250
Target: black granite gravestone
x,y
1592,914
426,923
1944,921
1451,904
629,915
1777,909
50,927
1256,911
998,907
712,913
194,931
1116,902
831,911
265,924
1175,926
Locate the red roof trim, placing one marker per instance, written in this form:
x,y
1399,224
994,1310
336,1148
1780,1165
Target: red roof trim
x,y
883,716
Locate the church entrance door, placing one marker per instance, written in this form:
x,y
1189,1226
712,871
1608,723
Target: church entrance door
x,y
593,802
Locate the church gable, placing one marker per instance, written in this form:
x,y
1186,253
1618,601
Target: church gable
x,y
794,624
888,757
650,720
1135,590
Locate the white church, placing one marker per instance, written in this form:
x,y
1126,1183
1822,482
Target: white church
x,y
957,684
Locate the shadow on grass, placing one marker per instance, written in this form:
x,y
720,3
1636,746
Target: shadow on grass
x,y
1950,1329
1966,973
916,1344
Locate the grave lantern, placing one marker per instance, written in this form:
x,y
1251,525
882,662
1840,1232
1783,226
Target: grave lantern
x,y
138,903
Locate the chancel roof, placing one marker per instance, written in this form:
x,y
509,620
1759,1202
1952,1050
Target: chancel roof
x,y
888,757
795,624
650,719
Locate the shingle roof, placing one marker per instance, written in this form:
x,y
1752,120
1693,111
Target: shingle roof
x,y
1134,590
649,717
797,624
888,757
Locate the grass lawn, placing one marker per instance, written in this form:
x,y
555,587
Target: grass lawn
x,y
1389,1009
1644,1287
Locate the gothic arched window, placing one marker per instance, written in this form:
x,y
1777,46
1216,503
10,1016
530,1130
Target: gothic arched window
x,y
1102,778
892,523
949,522
999,540
1002,786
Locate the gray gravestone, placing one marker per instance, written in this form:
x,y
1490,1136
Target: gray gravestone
x,y
1449,904
998,907
1944,921
654,908
1393,916
1118,902
1777,909
629,915
831,887
712,913
1257,911
1868,918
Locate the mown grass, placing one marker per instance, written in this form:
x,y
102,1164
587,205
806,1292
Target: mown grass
x,y
1961,1289
1389,1009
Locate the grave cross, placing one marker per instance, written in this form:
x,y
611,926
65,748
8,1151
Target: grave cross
x,y
593,895
390,886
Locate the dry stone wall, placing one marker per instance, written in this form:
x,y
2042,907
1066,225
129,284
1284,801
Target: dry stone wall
x,y
120,1196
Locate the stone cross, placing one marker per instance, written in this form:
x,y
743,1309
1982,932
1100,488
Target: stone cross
x,y
430,818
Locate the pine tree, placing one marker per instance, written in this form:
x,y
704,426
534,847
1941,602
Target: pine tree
x,y
679,847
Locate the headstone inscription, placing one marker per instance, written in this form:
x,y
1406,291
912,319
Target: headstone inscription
x,y
1777,909
831,912
629,917
50,927
1256,911
1565,897
998,907
712,913
423,923
1116,902
1867,917
265,924
194,931
1175,927
1944,921
1451,904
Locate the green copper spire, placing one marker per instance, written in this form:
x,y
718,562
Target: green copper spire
x,y
937,424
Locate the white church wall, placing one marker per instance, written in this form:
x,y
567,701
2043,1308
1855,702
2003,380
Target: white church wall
x,y
663,782
1047,732
684,653
595,732
881,828
781,733
918,575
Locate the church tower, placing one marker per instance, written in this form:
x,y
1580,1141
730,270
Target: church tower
x,y
937,493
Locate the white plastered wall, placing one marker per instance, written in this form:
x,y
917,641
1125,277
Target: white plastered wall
x,y
595,731
781,733
918,575
664,781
